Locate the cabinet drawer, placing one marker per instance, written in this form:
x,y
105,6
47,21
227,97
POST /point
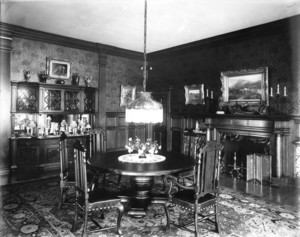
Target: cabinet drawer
x,y
28,142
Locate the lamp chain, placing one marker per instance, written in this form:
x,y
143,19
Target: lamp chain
x,y
145,43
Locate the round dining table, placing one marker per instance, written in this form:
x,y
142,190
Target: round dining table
x,y
141,174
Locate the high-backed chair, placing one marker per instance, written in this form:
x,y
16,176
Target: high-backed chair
x,y
89,202
67,168
96,145
203,193
67,173
195,148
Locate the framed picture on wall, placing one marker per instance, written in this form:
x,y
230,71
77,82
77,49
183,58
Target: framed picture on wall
x,y
194,94
127,94
58,69
249,85
245,91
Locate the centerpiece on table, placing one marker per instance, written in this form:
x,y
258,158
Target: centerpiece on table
x,y
142,148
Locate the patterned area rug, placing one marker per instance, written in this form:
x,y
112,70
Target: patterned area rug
x,y
30,209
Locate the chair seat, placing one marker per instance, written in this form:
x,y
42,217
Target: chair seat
x,y
99,195
186,198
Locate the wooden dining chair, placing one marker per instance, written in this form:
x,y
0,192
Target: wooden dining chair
x,y
67,172
96,145
202,195
195,147
90,202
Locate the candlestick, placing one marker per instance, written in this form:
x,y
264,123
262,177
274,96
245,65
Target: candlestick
x,y
284,91
278,92
211,94
271,92
202,91
206,92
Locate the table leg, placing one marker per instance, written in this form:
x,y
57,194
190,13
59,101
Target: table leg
x,y
141,188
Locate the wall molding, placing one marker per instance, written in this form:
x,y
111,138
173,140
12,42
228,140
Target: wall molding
x,y
11,31
284,26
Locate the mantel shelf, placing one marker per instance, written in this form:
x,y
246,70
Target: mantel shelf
x,y
277,117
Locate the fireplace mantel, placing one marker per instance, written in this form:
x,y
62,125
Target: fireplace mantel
x,y
259,126
274,127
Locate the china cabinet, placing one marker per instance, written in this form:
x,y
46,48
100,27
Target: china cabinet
x,y
39,113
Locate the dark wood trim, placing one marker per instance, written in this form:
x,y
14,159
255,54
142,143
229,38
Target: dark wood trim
x,y
115,114
10,30
283,26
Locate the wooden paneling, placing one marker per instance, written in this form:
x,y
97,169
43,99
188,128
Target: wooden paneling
x,y
118,131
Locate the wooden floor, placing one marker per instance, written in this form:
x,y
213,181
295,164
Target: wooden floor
x,y
285,194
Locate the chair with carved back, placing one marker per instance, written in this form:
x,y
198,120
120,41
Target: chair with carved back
x,y
195,146
67,172
202,195
96,145
90,202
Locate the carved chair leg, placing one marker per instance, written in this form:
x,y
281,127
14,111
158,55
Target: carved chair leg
x,y
216,218
164,179
196,220
121,211
167,215
84,231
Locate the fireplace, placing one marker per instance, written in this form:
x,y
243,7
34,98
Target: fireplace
x,y
236,148
247,135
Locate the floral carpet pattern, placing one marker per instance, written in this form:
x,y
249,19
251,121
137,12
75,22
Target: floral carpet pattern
x,y
30,209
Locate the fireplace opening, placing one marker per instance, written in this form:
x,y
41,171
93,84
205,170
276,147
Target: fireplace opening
x,y
237,148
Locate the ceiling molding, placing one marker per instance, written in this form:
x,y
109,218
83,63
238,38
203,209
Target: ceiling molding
x,y
8,30
282,26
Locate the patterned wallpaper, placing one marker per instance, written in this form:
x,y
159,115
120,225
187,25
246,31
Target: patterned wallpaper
x,y
205,64
31,56
121,71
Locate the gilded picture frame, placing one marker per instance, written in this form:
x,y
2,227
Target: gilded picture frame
x,y
58,69
194,94
246,87
128,94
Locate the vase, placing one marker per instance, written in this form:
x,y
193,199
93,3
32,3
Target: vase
x,y
43,78
27,75
75,79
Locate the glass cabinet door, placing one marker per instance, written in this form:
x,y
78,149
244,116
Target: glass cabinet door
x,y
27,99
72,101
89,100
52,100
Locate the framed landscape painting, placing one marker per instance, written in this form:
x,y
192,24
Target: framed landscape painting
x,y
194,94
247,88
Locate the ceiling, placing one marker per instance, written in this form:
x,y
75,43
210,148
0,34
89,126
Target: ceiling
x,y
120,23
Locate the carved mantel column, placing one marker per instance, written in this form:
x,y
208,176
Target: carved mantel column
x,y
296,142
281,131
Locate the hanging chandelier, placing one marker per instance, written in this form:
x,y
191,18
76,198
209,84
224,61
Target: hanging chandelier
x,y
144,109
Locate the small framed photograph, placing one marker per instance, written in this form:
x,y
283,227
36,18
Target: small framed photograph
x,y
58,69
127,94
194,94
